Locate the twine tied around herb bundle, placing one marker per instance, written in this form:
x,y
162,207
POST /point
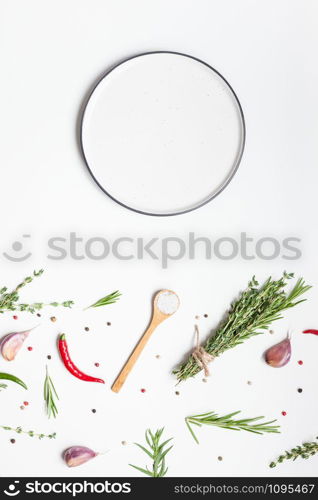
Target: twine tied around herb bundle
x,y
200,355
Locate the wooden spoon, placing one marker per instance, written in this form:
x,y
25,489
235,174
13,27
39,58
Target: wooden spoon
x,y
166,303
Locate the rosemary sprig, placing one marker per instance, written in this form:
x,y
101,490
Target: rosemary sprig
x,y
251,314
156,452
227,422
49,396
19,430
305,451
106,301
9,300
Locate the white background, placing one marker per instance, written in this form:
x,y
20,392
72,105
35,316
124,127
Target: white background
x,y
51,54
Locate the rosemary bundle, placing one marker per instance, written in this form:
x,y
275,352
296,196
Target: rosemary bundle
x,y
251,314
156,452
9,300
307,450
227,422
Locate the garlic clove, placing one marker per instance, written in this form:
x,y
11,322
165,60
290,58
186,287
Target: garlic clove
x,y
279,354
11,344
78,455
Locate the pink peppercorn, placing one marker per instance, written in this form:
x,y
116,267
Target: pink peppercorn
x,y
97,364
143,390
284,413
15,317
26,403
30,348
300,362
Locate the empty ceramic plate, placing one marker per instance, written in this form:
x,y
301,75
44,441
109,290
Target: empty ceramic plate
x,y
162,133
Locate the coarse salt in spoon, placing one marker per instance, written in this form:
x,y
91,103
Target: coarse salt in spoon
x,y
166,303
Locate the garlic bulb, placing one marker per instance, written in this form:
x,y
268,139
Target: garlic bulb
x,y
279,354
78,455
11,344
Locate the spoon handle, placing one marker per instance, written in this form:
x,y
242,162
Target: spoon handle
x,y
120,380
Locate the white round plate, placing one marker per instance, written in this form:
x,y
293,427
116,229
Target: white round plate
x,y
162,133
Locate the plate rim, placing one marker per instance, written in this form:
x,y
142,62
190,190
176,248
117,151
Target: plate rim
x,y
235,165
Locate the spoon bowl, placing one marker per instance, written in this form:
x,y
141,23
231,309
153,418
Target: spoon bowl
x,y
166,303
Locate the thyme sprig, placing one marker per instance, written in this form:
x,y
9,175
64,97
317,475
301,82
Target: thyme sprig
x,y
251,314
227,422
9,300
156,452
19,430
305,451
49,396
107,300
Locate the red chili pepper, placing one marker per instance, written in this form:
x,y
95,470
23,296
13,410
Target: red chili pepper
x,y
315,332
69,365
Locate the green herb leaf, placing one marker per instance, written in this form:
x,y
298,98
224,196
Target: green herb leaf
x,y
144,471
12,378
19,430
157,453
227,422
305,451
49,396
105,301
9,300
